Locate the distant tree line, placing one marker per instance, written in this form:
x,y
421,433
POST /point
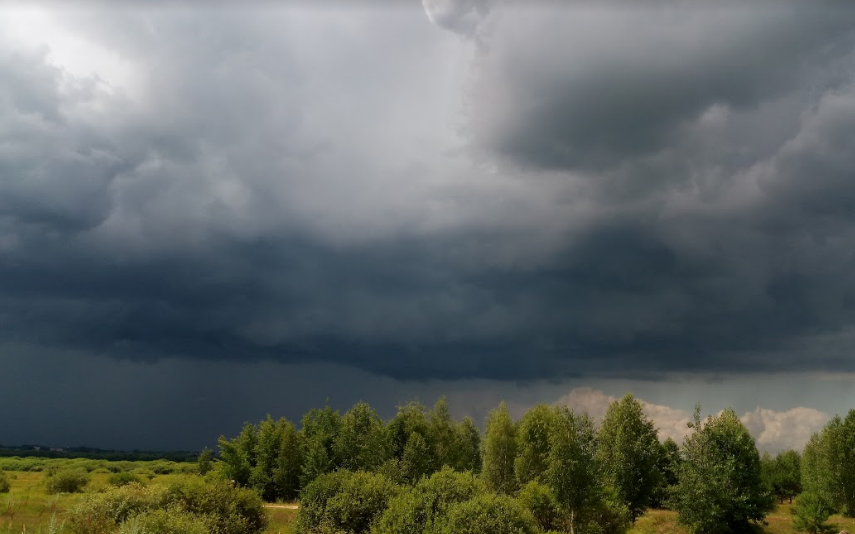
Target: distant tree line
x,y
551,471
91,453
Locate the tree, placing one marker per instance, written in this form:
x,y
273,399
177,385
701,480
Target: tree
x,y
572,473
533,443
811,513
417,461
782,474
360,443
629,451
828,464
468,453
668,465
441,429
486,514
720,489
268,440
289,462
319,432
500,450
238,455
205,462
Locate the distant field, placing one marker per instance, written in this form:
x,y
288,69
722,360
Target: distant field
x,y
28,508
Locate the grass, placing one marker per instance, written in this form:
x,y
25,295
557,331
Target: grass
x,y
779,521
28,508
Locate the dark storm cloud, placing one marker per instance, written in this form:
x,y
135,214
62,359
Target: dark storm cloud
x,y
655,191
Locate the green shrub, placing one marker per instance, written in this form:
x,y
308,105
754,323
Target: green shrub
x,y
413,510
810,514
165,522
100,513
123,478
66,482
229,510
4,483
344,501
538,499
216,504
486,514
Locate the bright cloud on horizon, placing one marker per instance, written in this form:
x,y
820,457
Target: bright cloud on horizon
x,y
774,431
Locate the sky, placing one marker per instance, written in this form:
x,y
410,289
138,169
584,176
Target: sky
x,y
214,211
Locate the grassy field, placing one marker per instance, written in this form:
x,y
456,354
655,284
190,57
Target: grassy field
x,y
779,522
27,508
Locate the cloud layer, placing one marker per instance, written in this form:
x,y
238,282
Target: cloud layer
x,y
774,431
588,190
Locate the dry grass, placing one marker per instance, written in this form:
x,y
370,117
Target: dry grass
x,y
779,521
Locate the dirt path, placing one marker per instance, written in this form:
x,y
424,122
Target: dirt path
x,y
282,506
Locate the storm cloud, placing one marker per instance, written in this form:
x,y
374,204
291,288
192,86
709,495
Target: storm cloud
x,y
588,191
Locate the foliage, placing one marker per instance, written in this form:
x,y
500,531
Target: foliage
x,y
317,436
500,450
416,462
66,481
572,471
533,434
238,455
668,465
469,446
487,513
415,509
629,452
720,489
828,464
123,478
344,501
811,513
4,483
360,443
205,462
185,503
539,500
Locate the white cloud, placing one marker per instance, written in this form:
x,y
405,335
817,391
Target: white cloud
x,y
670,422
462,17
778,431
774,431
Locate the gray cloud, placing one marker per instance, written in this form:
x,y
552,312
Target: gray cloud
x,y
624,193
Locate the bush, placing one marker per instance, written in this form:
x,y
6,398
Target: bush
x,y
344,500
218,506
123,478
4,483
67,482
415,509
486,514
229,510
811,513
164,522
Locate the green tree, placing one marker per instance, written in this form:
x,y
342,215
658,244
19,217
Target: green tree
x,y
289,462
344,501
533,434
811,513
4,482
538,499
668,465
572,472
782,474
268,440
720,489
828,464
441,429
205,462
317,437
629,452
411,418
360,443
417,461
500,450
468,454
238,455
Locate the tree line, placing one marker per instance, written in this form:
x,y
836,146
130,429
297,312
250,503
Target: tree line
x,y
553,469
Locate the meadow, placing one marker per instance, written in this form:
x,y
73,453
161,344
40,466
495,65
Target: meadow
x,y
29,508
